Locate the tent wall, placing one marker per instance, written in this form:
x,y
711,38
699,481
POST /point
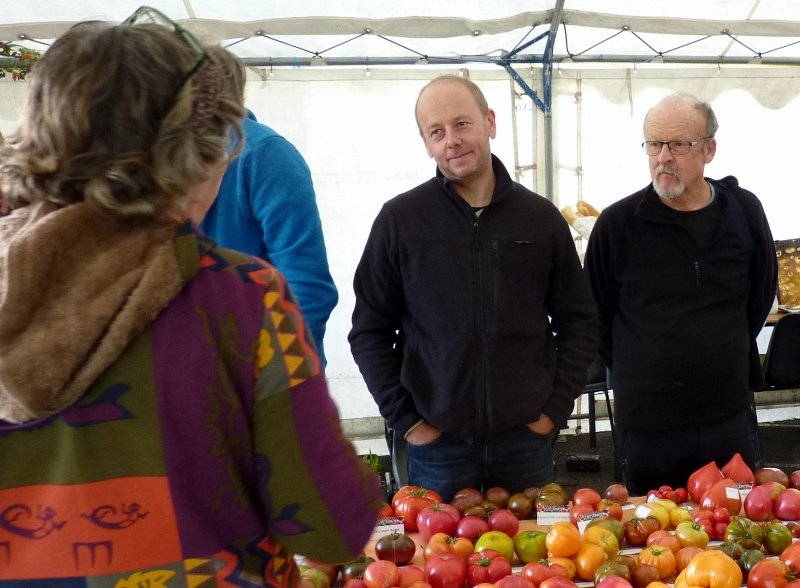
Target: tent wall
x,y
359,137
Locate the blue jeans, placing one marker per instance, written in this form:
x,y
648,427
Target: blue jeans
x,y
514,460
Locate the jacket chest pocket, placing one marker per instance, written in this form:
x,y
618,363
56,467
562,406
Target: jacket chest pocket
x,y
517,276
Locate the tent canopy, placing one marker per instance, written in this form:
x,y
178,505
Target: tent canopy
x,y
356,32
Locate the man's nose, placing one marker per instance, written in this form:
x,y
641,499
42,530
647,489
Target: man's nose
x,y
452,138
665,154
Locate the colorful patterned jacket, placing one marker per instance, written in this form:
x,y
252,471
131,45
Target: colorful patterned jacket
x,y
203,453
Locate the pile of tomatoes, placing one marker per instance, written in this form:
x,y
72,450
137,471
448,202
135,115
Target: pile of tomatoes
x,y
476,539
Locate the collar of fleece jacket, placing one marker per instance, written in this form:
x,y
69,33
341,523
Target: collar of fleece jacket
x,y
76,286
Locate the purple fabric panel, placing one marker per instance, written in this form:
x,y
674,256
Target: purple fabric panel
x,y
348,488
208,448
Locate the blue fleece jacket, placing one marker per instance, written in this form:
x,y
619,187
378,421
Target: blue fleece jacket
x,y
267,207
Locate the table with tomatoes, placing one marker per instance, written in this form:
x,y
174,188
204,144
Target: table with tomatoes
x,y
721,531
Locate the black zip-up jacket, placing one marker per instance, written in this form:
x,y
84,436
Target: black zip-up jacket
x,y
678,325
476,325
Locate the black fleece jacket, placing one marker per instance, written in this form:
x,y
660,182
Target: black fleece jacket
x,y
476,325
678,325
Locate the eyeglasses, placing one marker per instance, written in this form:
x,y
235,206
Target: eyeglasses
x,y
653,148
148,15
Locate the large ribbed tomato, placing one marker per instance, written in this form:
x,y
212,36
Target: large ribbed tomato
x,y
710,568
661,558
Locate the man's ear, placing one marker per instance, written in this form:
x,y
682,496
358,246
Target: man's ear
x,y
711,149
490,117
427,149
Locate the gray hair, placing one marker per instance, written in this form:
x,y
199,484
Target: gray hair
x,y
704,108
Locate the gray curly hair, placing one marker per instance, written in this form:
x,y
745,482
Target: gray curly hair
x,y
111,119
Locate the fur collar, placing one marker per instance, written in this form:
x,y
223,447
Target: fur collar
x,y
76,286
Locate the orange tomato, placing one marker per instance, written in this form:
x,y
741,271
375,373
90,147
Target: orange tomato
x,y
660,558
710,568
460,546
685,555
565,563
664,539
602,537
587,560
563,540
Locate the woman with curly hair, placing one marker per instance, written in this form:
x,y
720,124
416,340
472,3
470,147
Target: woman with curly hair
x,y
163,415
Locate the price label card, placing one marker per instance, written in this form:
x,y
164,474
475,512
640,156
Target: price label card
x,y
550,514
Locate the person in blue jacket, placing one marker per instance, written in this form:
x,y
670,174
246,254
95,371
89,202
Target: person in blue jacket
x,y
267,207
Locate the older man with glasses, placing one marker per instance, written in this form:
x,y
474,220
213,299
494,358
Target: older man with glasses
x,y
684,275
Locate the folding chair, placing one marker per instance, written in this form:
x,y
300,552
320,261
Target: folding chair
x,y
398,450
782,362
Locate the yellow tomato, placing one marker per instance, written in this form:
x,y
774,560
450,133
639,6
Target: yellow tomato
x,y
657,585
563,540
666,503
587,560
602,537
679,515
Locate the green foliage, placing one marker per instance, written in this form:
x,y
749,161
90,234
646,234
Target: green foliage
x,y
17,60
373,460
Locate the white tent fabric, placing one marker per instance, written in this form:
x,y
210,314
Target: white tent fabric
x,y
352,117
358,30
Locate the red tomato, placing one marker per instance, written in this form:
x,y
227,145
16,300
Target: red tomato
x,y
538,571
410,500
472,527
702,479
769,573
558,582
381,574
586,496
723,493
791,556
438,518
487,566
738,471
721,515
613,582
513,581
682,495
504,520
445,571
411,574
578,511
758,504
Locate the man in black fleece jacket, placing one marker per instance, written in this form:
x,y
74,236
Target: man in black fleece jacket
x,y
474,324
684,274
